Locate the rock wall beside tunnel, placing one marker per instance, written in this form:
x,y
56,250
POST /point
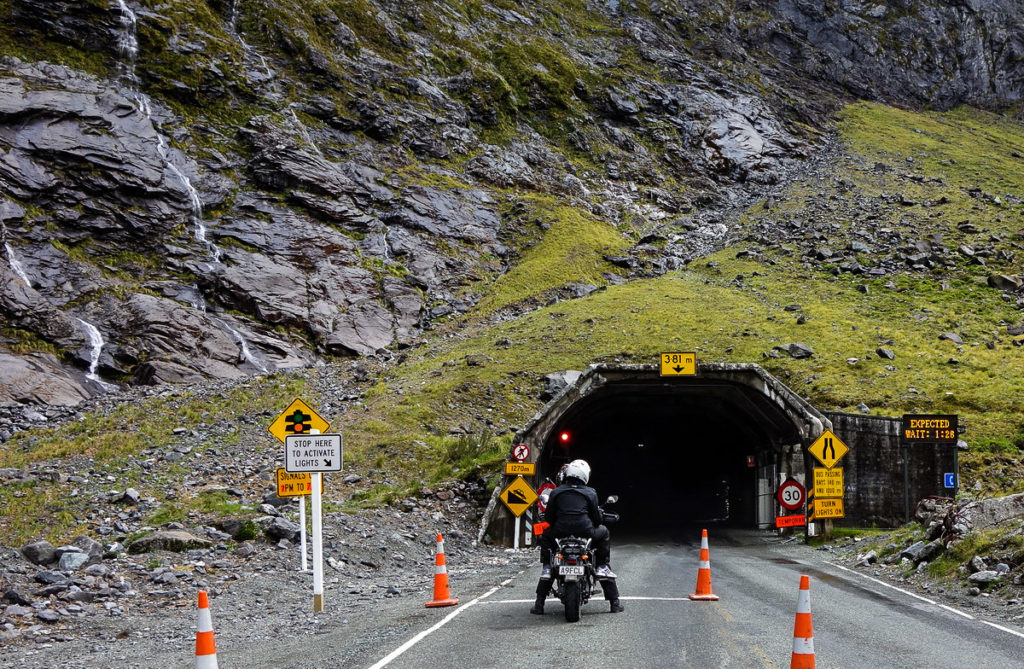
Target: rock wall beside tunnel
x,y
873,470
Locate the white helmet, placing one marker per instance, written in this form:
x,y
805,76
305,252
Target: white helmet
x,y
578,469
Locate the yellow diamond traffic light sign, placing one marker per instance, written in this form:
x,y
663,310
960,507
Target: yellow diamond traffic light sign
x,y
518,496
828,449
297,419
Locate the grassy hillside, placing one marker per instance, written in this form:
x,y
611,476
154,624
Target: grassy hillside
x,y
730,307
479,376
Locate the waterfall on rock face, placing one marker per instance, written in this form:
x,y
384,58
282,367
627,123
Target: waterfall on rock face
x,y
127,41
128,48
303,132
233,23
193,196
387,247
242,345
96,343
16,265
199,303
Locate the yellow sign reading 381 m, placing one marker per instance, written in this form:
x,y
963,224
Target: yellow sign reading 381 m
x,y
678,364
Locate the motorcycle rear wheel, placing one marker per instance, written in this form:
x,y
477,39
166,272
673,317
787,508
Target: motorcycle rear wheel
x,y
573,601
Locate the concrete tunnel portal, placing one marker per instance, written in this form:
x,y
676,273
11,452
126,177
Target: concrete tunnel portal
x,y
678,451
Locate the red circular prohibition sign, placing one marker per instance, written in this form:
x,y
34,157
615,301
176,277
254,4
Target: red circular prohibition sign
x,y
791,494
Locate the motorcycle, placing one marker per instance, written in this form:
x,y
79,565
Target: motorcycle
x,y
573,570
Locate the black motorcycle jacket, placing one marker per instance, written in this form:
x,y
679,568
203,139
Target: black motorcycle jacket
x,y
573,509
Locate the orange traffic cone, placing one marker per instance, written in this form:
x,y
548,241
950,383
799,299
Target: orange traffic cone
x,y
704,572
441,595
803,630
206,649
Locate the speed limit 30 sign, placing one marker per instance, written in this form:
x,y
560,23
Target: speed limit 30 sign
x,y
791,494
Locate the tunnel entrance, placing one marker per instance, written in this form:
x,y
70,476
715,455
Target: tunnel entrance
x,y
679,451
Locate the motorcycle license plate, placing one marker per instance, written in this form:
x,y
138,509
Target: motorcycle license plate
x,y
571,570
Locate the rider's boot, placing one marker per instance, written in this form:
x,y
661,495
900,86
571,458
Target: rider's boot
x,y
611,593
543,588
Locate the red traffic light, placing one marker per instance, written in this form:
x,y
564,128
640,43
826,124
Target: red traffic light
x,y
564,437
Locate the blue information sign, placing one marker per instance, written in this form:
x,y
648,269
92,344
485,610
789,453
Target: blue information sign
x,y
950,479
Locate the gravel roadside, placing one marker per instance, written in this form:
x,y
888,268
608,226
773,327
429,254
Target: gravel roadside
x,y
261,604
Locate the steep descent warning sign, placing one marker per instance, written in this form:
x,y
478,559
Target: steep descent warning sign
x,y
518,496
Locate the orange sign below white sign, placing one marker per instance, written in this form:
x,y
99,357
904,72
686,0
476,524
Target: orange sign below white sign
x,y
293,485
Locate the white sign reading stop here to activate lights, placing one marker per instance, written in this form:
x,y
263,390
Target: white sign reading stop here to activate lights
x,y
312,453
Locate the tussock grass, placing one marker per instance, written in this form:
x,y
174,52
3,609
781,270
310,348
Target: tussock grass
x,y
570,250
993,543
36,510
108,443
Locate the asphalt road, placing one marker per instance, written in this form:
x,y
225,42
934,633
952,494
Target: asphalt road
x,y
858,622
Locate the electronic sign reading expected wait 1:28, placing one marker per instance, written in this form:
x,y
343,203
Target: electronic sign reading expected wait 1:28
x,y
931,428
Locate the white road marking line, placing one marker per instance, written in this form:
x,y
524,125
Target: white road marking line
x,y
875,580
444,621
635,599
925,599
1003,629
957,611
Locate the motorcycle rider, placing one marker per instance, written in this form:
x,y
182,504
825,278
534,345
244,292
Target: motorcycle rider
x,y
573,510
540,527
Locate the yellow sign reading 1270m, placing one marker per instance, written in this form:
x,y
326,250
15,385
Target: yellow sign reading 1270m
x,y
678,364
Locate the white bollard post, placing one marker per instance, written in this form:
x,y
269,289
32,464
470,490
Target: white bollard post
x,y
302,531
318,547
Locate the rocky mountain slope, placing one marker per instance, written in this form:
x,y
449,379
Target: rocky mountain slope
x,y
209,189
409,213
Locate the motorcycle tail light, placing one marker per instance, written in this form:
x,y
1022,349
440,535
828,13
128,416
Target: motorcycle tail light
x,y
572,560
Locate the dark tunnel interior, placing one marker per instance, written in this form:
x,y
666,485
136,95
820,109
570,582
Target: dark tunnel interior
x,y
677,455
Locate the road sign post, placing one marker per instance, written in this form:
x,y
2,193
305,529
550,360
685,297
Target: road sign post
x,y
828,482
518,496
298,419
318,546
928,429
298,486
521,468
302,534
313,453
828,449
309,451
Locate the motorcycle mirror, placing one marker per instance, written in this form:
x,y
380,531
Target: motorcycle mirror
x,y
612,499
